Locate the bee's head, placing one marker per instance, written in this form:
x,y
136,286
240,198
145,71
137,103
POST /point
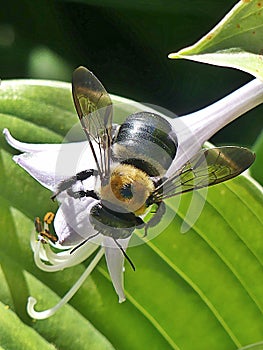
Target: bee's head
x,y
128,188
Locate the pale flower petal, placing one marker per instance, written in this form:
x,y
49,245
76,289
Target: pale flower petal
x,y
74,258
208,121
49,164
115,263
41,166
72,224
194,129
29,147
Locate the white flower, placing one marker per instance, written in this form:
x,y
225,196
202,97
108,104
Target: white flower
x,y
50,164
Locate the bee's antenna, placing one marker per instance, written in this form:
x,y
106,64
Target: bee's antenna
x,y
83,242
125,254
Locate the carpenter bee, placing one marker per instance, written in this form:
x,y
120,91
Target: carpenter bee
x,y
131,162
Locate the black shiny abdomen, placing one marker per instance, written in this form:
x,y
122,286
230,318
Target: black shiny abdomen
x,y
113,221
146,140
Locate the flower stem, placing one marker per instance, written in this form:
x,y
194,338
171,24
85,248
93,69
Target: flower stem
x,y
40,315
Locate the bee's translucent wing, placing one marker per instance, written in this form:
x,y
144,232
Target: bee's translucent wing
x,y
208,167
94,108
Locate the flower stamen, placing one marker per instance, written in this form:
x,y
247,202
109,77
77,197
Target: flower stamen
x,y
40,315
44,232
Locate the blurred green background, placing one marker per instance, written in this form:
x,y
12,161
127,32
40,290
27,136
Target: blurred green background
x,y
125,43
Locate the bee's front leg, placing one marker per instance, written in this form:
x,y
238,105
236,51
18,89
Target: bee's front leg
x,y
66,184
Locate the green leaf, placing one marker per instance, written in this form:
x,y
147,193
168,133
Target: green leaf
x,y
256,169
236,41
16,335
203,287
257,346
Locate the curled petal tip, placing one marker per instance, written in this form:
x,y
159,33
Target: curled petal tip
x,y
16,159
9,138
31,302
40,315
6,132
122,299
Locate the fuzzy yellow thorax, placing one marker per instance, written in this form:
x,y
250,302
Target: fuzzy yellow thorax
x,y
128,188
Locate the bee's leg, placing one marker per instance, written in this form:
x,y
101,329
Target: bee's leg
x,y
156,218
81,194
81,176
125,254
85,174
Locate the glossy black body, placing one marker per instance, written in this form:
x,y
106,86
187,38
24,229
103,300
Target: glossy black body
x,y
146,141
113,222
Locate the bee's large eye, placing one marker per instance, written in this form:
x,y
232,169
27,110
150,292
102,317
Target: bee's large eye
x,y
126,191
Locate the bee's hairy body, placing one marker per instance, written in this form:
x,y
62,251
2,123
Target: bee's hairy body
x,y
127,195
128,188
137,169
122,201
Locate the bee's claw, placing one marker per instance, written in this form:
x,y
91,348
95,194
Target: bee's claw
x,y
145,231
